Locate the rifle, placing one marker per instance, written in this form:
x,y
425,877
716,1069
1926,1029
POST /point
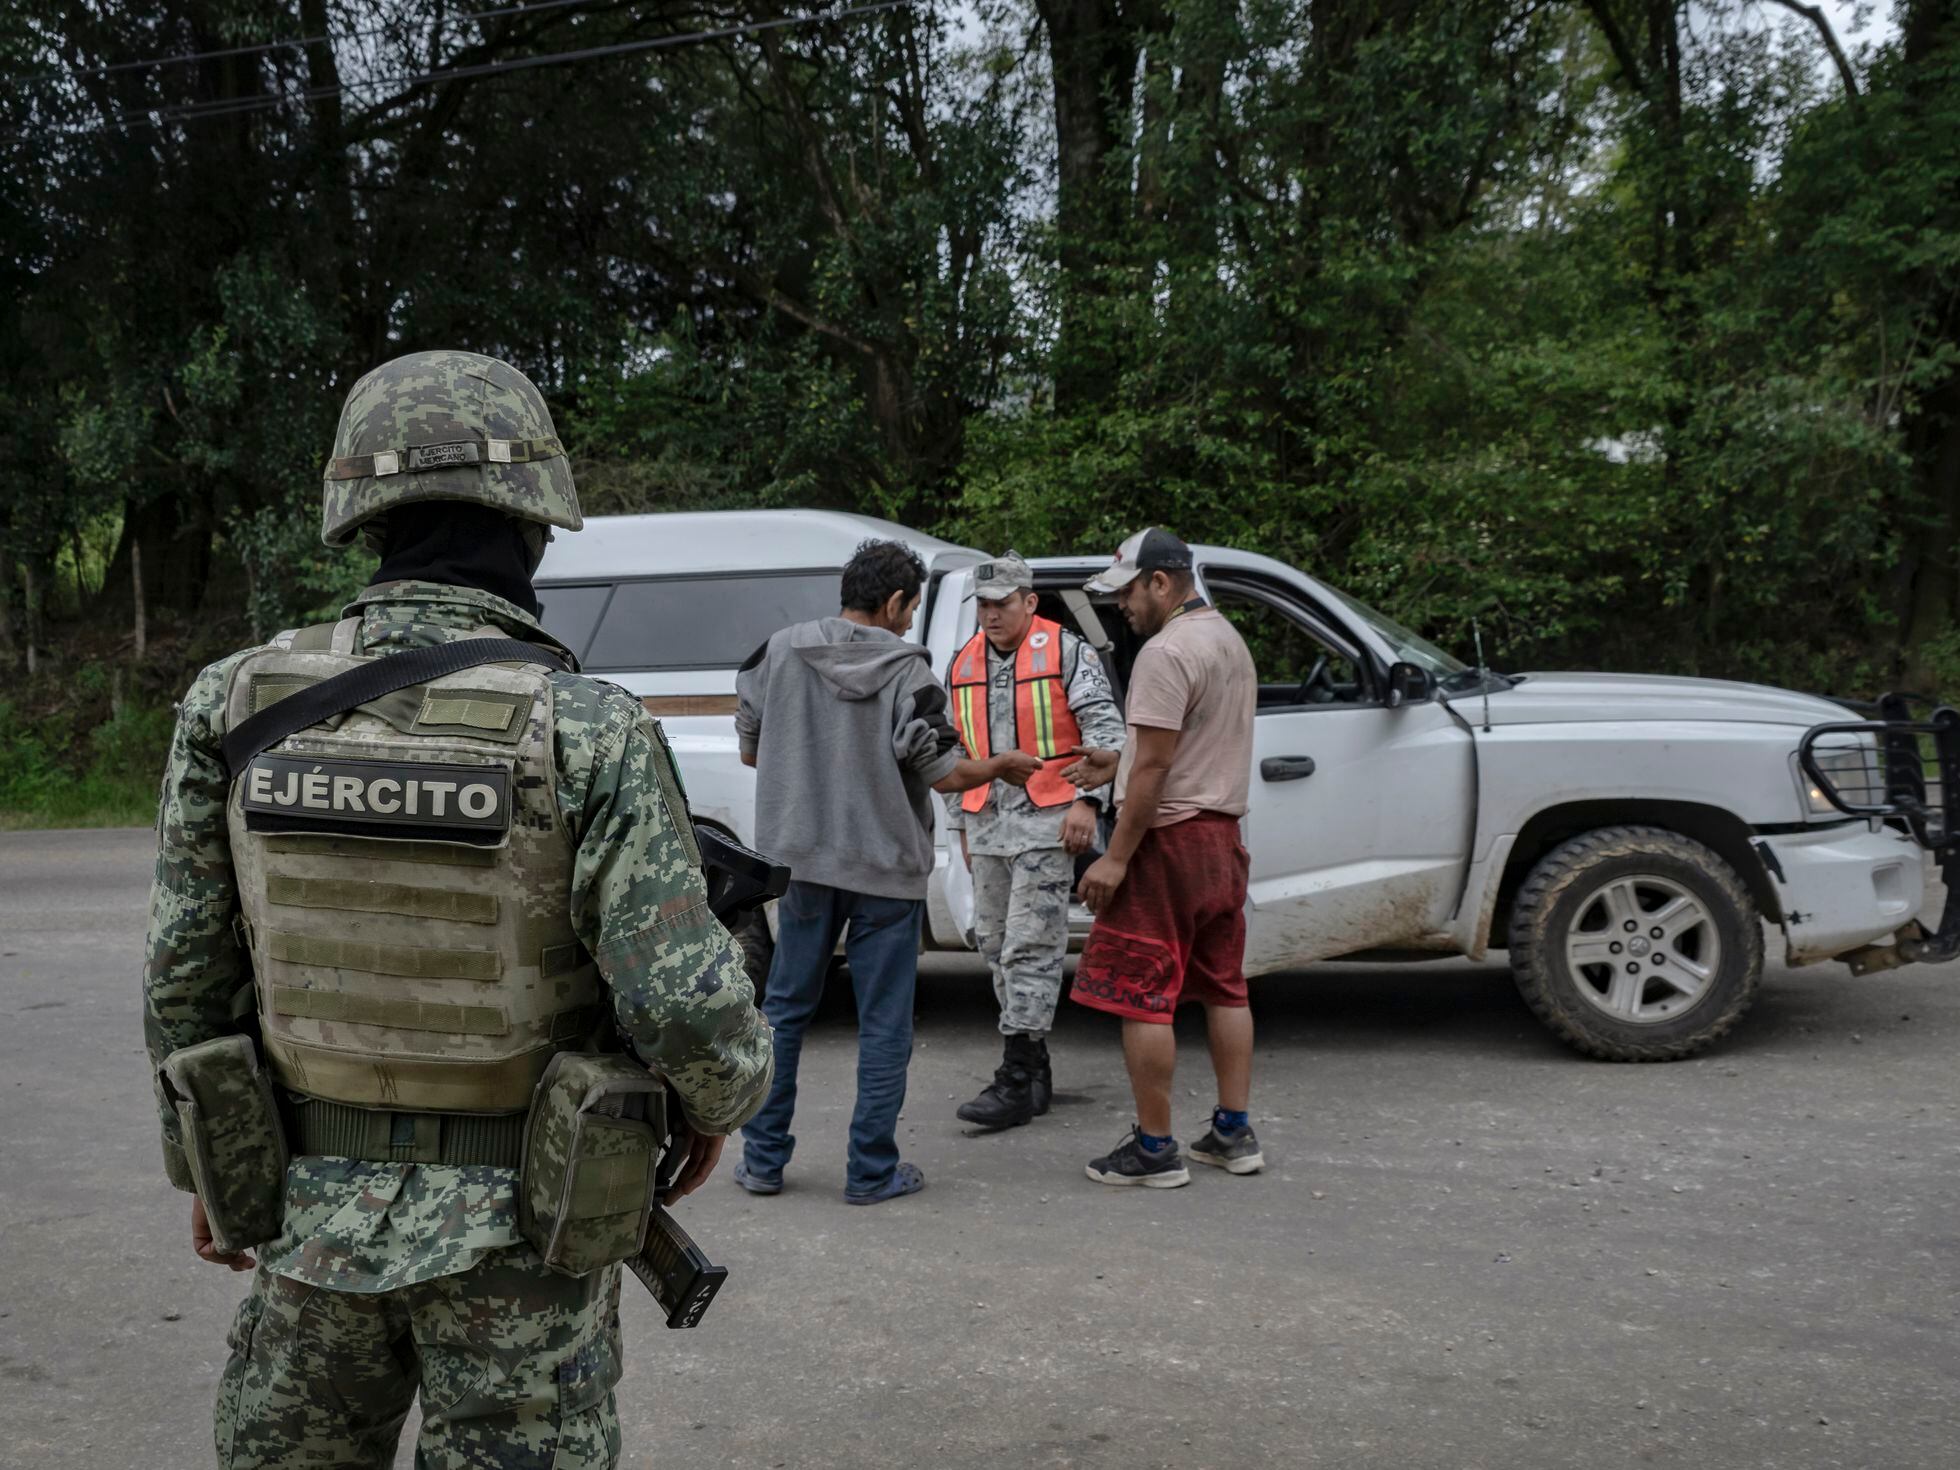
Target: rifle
x,y
670,1265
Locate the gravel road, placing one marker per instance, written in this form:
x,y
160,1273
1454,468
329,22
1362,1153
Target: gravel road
x,y
1472,1249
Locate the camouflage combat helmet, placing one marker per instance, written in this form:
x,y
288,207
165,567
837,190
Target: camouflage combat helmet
x,y
446,426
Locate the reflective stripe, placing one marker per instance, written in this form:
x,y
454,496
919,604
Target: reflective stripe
x,y
385,959
973,734
389,1010
1044,718
382,898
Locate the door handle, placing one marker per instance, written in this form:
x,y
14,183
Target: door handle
x,y
1286,767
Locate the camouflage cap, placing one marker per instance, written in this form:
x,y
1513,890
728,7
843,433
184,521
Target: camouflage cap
x,y
446,426
1002,577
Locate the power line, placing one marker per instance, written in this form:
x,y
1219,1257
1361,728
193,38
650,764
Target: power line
x,y
260,48
231,107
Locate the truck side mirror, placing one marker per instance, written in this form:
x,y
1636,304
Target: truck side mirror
x,y
1408,684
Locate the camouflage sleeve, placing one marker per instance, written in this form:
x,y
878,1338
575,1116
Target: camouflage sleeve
x,y
640,906
192,964
1092,701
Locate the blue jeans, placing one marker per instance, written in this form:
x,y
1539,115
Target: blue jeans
x,y
882,948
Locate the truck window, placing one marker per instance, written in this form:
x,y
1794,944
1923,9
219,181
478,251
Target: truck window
x,y
570,614
1287,649
1121,653
703,622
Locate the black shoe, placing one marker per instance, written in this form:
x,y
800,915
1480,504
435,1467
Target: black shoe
x,y
1008,1101
1130,1163
1043,1082
1235,1153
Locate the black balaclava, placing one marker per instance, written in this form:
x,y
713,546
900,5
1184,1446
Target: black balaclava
x,y
461,545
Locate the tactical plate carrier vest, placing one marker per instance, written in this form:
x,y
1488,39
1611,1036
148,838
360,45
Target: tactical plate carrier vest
x,y
405,879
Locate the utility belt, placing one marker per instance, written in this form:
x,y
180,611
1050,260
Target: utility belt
x,y
340,1130
600,1145
587,1152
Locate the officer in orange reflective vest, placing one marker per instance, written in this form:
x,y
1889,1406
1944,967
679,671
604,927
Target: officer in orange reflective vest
x,y
1024,682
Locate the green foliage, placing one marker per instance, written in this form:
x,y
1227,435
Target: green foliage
x,y
54,774
1480,310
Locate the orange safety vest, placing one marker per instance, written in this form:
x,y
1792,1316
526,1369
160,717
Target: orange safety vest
x,y
1044,725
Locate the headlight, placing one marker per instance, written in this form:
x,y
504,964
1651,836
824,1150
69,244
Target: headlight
x,y
1852,770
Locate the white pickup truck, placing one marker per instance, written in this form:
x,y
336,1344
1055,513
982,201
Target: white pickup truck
x,y
1627,838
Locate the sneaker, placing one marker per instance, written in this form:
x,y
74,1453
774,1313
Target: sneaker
x,y
758,1183
1128,1163
1236,1153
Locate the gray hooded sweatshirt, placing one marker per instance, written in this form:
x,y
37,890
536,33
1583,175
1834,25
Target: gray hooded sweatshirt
x,y
849,729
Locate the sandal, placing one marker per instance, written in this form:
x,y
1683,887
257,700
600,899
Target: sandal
x,y
906,1179
758,1183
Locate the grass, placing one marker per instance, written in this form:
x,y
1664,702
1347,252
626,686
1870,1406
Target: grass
x,y
89,803
54,773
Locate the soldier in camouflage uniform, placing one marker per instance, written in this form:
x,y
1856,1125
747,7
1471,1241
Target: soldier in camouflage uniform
x,y
1025,680
389,1276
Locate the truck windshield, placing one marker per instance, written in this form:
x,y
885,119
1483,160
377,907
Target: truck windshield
x,y
705,622
1409,647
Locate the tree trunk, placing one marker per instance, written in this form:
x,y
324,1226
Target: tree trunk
x,y
81,582
1092,56
136,593
1931,420
6,610
1933,441
33,613
175,532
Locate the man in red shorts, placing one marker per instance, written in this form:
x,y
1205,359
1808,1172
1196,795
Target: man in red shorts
x,y
1169,895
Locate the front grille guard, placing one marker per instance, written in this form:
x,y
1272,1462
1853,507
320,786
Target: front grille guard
x,y
1912,778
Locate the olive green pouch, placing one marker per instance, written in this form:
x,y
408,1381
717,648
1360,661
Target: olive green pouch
x,y
233,1139
591,1143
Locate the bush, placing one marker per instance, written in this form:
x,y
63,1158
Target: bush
x,y
53,774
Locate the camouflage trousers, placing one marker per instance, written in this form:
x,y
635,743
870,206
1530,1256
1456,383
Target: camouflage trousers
x,y
515,1364
1020,918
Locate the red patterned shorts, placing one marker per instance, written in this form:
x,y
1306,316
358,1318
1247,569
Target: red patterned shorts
x,y
1175,930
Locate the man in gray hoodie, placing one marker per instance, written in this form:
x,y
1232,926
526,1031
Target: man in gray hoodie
x,y
850,734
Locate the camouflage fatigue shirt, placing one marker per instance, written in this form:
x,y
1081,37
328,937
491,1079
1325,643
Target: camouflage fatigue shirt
x,y
1010,823
675,976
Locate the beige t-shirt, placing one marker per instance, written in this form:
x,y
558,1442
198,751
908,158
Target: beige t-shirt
x,y
1196,676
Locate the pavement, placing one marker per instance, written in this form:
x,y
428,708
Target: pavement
x,y
1472,1249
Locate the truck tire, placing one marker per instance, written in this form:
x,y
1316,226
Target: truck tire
x,y
1636,944
758,948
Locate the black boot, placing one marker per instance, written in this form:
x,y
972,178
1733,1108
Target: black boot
x,y
1008,1100
1042,1086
